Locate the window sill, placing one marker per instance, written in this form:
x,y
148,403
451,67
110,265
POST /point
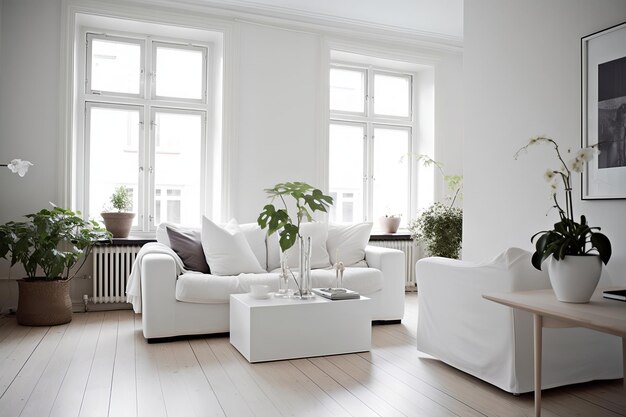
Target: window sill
x,y
129,241
378,235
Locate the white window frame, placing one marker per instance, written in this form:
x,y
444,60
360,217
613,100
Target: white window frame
x,y
148,105
150,197
90,36
376,72
87,152
365,73
155,77
372,121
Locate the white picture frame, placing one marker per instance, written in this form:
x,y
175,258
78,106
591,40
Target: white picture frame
x,y
603,65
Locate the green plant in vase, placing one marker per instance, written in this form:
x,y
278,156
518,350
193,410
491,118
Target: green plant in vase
x,y
53,242
440,227
308,200
118,220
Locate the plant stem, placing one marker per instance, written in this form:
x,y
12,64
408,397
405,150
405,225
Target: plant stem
x,y
455,195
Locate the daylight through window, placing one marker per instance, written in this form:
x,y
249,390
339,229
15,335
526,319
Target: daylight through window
x,y
370,137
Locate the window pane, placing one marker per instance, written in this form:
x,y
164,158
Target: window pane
x,y
347,90
177,170
115,66
113,155
391,172
346,172
179,73
392,95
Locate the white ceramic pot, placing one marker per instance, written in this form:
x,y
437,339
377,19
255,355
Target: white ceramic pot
x,y
389,224
575,278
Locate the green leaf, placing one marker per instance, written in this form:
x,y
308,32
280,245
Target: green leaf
x,y
288,236
602,245
536,260
563,248
541,244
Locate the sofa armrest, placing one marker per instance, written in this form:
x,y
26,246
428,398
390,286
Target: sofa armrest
x,y
391,262
158,293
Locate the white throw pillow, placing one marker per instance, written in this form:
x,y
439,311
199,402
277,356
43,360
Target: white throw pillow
x,y
347,242
256,239
319,254
226,249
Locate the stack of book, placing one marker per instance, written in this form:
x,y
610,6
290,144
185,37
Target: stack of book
x,y
336,293
615,294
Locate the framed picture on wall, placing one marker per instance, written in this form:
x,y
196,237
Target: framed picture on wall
x,y
603,56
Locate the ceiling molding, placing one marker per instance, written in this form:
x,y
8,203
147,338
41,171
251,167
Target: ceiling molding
x,y
317,22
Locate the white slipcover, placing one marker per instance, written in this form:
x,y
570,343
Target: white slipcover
x,y
494,342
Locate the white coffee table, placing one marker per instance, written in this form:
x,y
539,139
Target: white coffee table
x,y
277,328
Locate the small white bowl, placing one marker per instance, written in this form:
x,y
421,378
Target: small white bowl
x,y
259,291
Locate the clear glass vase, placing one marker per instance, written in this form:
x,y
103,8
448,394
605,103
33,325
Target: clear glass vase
x,y
304,275
283,278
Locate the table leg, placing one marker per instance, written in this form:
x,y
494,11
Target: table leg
x,y
624,359
538,326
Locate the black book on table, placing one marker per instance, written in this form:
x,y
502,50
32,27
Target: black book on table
x,y
615,294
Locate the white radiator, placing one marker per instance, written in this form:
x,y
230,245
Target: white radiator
x,y
412,252
111,268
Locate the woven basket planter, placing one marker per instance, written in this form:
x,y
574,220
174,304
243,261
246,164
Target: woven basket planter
x,y
44,303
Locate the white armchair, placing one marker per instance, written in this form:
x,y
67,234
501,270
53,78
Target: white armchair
x,y
494,342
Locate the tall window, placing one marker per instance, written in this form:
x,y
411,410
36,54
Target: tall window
x,y
370,136
145,112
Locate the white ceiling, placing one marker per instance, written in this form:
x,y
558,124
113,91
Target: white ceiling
x,y
437,18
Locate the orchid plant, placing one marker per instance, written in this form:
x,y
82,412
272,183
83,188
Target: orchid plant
x,y
18,166
568,236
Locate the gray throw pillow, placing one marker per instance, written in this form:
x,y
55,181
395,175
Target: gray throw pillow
x,y
188,246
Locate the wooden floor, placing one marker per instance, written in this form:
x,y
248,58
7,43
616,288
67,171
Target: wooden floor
x,y
100,365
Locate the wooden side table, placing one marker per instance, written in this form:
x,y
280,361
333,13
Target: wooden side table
x,y
608,316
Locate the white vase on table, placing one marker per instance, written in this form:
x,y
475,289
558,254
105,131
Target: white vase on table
x,y
574,278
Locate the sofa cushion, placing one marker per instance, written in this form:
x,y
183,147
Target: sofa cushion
x,y
226,249
188,247
254,235
347,242
161,232
319,254
256,239
204,288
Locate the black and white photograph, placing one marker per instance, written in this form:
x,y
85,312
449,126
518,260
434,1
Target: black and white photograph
x,y
612,114
603,69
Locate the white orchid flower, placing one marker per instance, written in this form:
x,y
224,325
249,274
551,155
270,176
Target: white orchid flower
x,y
585,154
577,165
20,167
549,175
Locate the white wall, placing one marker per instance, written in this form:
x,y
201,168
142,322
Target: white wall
x,y
522,78
29,103
276,118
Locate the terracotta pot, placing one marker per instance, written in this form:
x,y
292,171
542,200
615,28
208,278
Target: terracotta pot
x,y
118,223
389,224
575,278
43,303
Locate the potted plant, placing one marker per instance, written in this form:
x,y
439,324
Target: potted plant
x,y
48,245
278,220
119,222
440,227
389,223
574,250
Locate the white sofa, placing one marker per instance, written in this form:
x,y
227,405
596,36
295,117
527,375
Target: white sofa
x,y
494,342
192,303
